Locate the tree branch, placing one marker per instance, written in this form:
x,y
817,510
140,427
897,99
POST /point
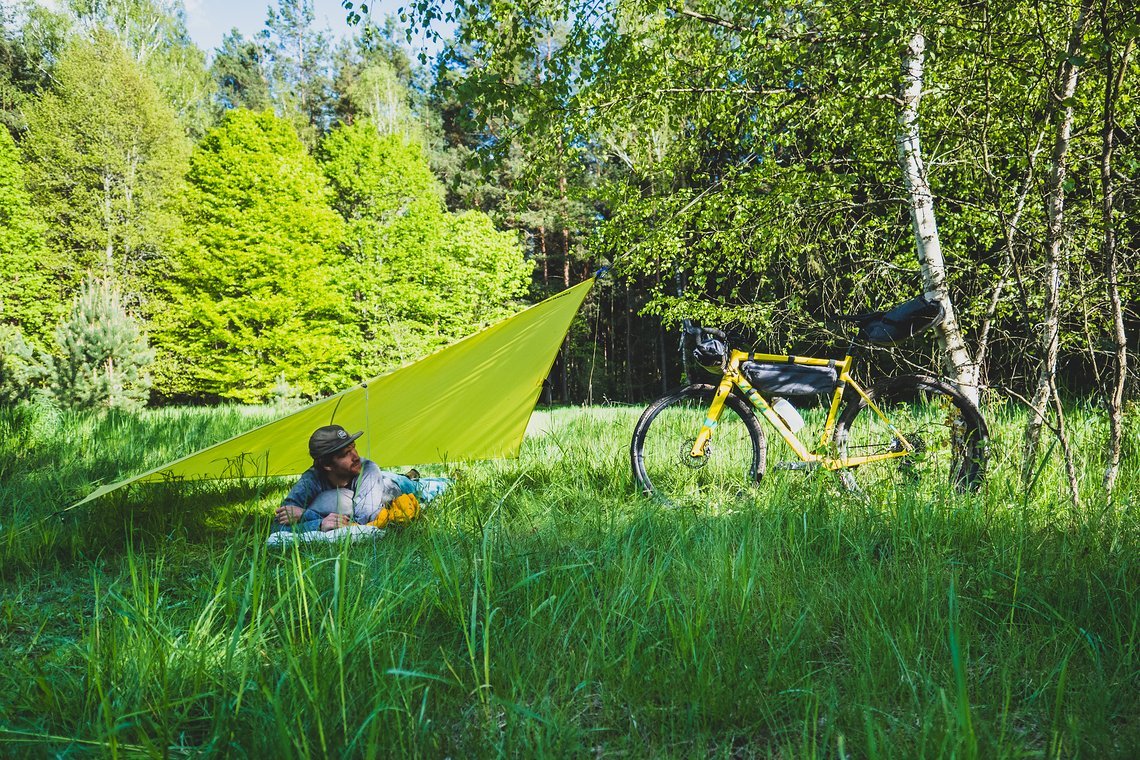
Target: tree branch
x,y
712,20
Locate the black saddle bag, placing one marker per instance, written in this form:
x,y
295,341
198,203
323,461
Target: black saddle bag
x,y
903,322
785,379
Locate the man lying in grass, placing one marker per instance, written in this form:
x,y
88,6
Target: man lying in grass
x,y
341,489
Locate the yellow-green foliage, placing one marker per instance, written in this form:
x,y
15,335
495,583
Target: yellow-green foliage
x,y
105,155
26,297
421,276
258,292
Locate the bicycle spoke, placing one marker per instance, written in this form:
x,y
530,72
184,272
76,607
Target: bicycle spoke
x,y
941,432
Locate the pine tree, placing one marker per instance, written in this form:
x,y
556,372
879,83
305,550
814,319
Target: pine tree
x,y
19,369
103,355
301,66
238,72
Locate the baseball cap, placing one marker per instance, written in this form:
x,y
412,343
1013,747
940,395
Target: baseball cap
x,y
329,439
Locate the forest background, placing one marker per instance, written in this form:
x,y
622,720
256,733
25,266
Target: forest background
x,y
282,216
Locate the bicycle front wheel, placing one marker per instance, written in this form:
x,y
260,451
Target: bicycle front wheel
x,y
945,429
660,452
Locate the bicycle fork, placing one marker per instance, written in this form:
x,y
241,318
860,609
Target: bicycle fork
x,y
722,392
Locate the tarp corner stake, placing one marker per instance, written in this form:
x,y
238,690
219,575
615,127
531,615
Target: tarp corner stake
x,y
470,400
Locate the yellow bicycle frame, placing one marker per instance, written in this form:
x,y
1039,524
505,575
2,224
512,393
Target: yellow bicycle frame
x,y
733,377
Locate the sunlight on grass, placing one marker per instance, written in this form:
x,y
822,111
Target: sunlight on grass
x,y
542,608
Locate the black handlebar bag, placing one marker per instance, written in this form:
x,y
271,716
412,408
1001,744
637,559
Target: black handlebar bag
x,y
710,353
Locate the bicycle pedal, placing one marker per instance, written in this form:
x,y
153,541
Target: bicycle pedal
x,y
795,465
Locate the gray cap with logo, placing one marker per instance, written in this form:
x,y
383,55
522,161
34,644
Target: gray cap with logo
x,y
330,439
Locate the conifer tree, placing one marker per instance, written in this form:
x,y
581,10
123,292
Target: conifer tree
x,y
239,74
27,298
255,296
19,369
301,67
103,355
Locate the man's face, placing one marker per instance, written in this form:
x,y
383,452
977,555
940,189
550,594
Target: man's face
x,y
345,464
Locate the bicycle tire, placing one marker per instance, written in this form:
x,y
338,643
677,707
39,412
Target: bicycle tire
x,y
946,427
664,436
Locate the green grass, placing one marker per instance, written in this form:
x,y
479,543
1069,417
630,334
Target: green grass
x,y
542,609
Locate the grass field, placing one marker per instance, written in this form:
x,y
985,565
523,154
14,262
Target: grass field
x,y
543,609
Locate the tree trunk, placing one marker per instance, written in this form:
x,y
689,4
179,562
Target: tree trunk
x,y
628,344
110,381
565,228
543,254
961,368
566,282
108,221
662,358
1109,256
1054,244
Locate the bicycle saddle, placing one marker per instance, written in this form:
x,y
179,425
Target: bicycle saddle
x,y
887,328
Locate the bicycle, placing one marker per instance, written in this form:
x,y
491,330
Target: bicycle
x,y
912,430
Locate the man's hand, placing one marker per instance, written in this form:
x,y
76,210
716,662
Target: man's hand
x,y
334,521
287,514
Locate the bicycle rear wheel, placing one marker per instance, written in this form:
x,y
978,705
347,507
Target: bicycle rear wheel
x,y
664,438
947,431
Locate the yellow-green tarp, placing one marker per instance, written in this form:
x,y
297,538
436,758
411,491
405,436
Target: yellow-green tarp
x,y
471,400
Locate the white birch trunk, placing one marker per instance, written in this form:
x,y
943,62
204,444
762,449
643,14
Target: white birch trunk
x,y
108,223
961,368
1054,245
1120,337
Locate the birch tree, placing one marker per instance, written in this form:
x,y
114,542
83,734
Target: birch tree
x,y
105,158
1046,390
1113,83
153,34
959,364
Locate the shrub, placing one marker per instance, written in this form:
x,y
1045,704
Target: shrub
x,y
19,369
103,354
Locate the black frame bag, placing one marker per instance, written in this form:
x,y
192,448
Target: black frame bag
x,y
787,379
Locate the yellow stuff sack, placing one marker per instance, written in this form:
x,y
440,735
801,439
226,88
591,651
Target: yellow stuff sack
x,y
401,511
